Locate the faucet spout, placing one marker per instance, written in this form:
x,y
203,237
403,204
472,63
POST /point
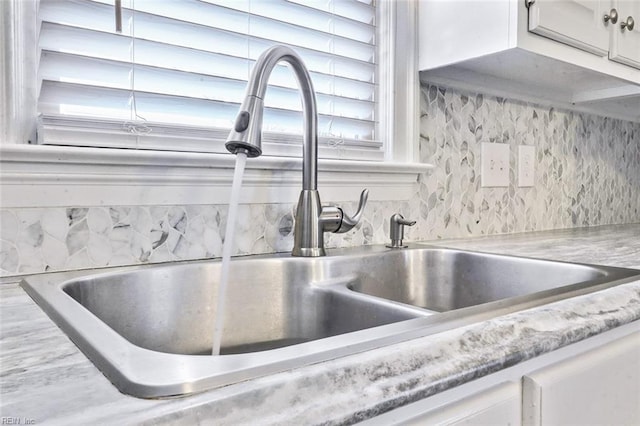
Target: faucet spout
x,y
312,220
247,130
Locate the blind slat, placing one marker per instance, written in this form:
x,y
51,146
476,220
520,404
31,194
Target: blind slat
x,y
73,131
92,101
360,11
287,12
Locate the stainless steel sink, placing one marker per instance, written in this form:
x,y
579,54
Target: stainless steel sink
x,y
149,328
271,303
444,280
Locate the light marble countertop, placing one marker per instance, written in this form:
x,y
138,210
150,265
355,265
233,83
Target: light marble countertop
x,y
47,380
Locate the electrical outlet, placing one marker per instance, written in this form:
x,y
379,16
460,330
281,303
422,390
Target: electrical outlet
x,y
526,165
494,164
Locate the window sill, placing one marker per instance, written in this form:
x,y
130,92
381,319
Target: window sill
x,y
50,176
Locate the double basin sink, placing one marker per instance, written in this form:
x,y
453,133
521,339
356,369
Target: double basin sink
x,y
149,328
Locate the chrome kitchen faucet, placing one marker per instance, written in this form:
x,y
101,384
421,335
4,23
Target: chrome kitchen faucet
x,y
312,219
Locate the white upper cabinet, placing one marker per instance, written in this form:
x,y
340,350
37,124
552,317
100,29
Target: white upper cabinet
x,y
625,33
602,27
566,53
578,23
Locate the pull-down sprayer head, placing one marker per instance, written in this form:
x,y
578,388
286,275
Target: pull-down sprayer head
x,y
246,134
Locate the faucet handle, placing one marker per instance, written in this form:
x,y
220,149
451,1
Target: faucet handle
x,y
335,220
349,222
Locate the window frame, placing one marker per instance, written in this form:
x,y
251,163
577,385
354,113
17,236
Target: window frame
x,y
49,172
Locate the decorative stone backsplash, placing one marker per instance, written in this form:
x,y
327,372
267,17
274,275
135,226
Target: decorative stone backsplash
x,y
587,167
587,173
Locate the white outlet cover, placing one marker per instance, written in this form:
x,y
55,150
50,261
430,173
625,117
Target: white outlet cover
x,y
526,165
494,169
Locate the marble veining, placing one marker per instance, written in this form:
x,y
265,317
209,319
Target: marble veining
x,y
45,378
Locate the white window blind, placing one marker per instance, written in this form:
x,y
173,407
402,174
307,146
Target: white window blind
x,y
174,77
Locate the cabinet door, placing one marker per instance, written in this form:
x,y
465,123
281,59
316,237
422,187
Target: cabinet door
x,y
499,405
601,386
578,23
625,44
